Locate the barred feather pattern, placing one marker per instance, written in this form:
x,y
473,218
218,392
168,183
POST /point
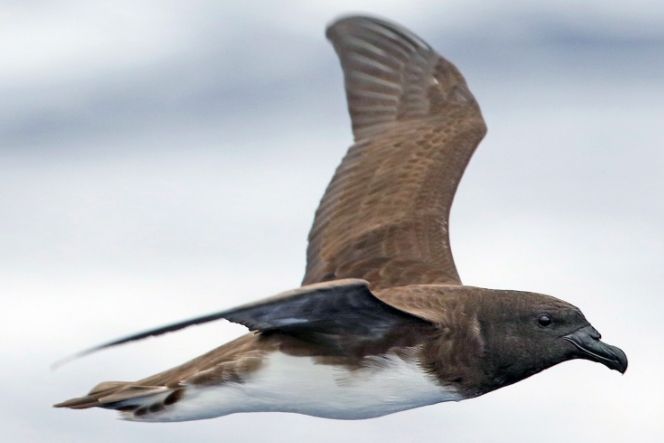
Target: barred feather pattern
x,y
384,216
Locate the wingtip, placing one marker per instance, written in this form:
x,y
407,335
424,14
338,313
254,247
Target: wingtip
x,y
346,19
337,26
63,361
59,363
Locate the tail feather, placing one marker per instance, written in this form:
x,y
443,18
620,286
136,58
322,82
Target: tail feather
x,y
89,401
132,393
133,399
108,386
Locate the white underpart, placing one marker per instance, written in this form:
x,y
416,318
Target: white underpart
x,y
286,383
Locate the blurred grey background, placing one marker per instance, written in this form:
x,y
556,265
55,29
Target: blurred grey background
x,y
163,159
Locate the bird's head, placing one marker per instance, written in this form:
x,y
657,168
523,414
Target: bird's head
x,y
525,333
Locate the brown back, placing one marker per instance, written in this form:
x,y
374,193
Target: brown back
x,y
384,215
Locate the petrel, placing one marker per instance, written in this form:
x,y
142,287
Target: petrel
x,y
382,322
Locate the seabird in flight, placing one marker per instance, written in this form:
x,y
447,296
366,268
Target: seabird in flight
x,y
382,322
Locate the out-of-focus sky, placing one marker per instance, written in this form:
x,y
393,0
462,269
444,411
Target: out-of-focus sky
x,y
163,159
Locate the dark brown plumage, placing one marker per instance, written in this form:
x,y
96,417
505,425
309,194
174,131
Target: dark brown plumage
x,y
384,216
380,285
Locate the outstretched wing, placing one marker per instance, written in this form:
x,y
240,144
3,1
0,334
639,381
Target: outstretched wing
x,y
384,215
325,312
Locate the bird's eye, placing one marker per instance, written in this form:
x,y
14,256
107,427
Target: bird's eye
x,y
544,320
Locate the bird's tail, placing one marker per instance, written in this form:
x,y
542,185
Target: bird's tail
x,y
134,400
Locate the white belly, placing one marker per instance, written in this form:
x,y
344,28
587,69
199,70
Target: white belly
x,y
286,383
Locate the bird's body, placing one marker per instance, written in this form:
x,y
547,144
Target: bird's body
x,y
283,382
382,322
